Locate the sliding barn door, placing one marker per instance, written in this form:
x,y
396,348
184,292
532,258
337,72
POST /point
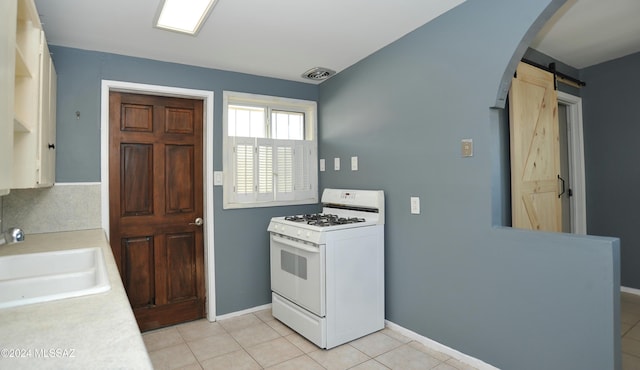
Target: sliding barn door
x,y
535,150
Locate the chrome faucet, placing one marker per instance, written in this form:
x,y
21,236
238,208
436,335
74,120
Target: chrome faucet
x,y
13,235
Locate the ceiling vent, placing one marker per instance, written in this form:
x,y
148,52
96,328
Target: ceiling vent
x,y
318,73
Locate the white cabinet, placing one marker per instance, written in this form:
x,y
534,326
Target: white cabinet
x,y
8,9
34,101
46,157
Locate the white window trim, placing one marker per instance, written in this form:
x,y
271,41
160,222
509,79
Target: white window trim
x,y
279,103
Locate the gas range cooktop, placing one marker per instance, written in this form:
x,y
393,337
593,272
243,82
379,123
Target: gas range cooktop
x,y
324,219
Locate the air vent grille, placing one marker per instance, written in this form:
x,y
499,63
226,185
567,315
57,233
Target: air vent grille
x,y
318,73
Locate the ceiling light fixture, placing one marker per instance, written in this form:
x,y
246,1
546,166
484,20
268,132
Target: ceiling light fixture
x,y
186,16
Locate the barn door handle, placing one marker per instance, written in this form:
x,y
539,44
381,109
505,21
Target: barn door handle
x,y
198,222
563,189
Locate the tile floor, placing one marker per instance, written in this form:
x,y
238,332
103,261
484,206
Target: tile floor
x,y
630,330
258,341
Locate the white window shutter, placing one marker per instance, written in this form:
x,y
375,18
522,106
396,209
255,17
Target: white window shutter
x,y
244,164
304,160
261,171
264,153
284,169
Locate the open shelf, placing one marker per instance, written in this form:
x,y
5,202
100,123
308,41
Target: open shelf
x,y
22,69
19,126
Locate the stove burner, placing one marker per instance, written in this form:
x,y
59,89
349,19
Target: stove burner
x,y
321,219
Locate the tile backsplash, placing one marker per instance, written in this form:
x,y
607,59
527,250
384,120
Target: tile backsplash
x,y
63,207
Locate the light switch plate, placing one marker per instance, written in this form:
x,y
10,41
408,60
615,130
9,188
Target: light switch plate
x,y
354,163
217,178
322,165
467,147
336,164
415,205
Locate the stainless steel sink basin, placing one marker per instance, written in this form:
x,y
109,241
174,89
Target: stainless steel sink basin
x,y
48,276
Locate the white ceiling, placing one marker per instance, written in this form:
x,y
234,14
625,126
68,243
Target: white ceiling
x,y
588,32
284,38
276,38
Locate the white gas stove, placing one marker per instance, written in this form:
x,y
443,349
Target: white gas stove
x,y
327,269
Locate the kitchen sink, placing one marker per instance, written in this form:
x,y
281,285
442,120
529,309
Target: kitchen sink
x,y
48,276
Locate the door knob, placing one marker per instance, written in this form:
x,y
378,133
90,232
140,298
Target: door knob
x,y
198,222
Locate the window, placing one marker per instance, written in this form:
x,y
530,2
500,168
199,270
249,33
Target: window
x,y
270,151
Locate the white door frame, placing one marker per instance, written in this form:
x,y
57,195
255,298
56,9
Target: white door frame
x,y
576,161
207,98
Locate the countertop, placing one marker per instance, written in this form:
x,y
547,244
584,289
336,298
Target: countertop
x,y
91,332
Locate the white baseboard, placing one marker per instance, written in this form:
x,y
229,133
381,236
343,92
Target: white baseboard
x,y
630,290
243,312
472,361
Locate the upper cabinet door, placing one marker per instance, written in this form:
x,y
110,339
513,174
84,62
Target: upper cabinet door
x,y
34,103
8,12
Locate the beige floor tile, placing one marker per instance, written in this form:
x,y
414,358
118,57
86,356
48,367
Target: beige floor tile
x,y
274,352
199,329
173,357
162,338
430,351
206,348
459,364
252,335
624,328
630,362
630,306
407,358
396,335
190,367
375,344
633,332
302,343
629,297
339,358
265,315
370,365
299,363
445,366
629,317
239,360
631,346
281,328
240,322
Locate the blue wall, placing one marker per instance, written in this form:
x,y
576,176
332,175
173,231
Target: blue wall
x,y
513,298
241,240
611,116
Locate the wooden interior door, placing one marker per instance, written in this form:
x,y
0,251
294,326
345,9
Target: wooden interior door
x,y
155,192
535,150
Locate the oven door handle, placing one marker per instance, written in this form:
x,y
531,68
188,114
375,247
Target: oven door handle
x,y
294,244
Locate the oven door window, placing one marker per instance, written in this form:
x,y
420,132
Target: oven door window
x,y
297,273
293,264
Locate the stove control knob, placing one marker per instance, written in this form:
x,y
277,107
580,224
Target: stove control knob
x,y
299,232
